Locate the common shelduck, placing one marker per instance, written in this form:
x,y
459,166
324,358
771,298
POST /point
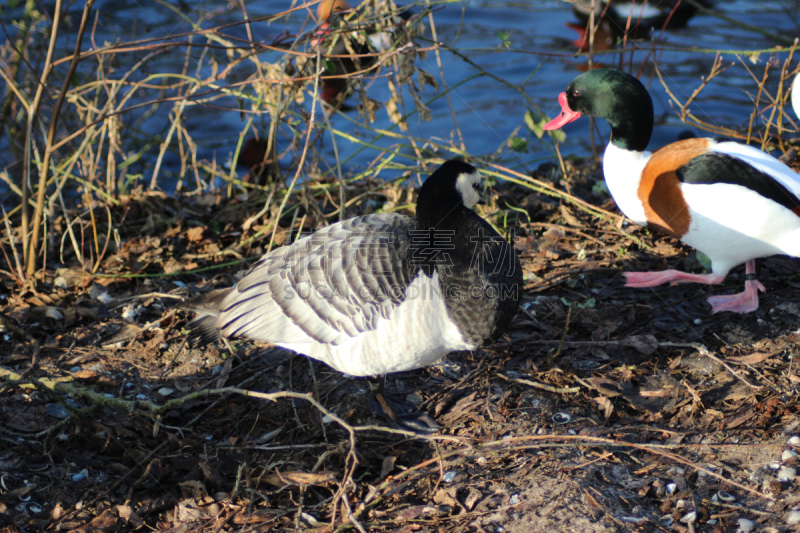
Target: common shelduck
x,y
379,293
348,53
731,201
612,18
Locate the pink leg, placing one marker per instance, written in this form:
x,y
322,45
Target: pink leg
x,y
652,279
744,302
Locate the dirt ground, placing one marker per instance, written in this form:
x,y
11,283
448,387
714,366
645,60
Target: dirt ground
x,y
602,409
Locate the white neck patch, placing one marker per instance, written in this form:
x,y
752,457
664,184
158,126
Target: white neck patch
x,y
469,186
623,172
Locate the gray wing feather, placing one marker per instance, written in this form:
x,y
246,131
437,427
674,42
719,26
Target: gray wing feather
x,y
327,287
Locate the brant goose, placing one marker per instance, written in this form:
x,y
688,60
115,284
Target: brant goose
x,y
378,293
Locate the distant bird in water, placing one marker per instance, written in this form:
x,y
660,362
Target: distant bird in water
x,y
253,155
334,88
378,293
730,201
611,19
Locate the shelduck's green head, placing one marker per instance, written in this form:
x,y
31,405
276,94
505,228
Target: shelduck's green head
x,y
615,96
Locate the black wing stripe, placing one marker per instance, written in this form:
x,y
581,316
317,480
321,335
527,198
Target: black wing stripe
x,y
715,167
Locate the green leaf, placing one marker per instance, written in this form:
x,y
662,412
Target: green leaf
x,y
505,37
518,144
589,303
558,135
600,188
537,128
704,260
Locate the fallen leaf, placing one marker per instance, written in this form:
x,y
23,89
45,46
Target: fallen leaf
x,y
54,313
387,466
739,420
660,393
105,522
605,386
569,218
605,404
645,344
281,479
193,489
195,234
127,513
751,359
646,469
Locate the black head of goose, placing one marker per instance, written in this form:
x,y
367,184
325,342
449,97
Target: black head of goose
x,y
378,293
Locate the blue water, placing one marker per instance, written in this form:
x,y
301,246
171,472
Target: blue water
x,y
537,57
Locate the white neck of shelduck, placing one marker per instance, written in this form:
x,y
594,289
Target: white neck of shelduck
x,y
623,172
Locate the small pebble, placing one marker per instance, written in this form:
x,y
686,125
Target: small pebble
x,y
96,368
788,455
794,440
745,525
311,519
671,488
666,520
690,517
793,517
141,396
697,321
130,311
775,465
217,370
415,398
449,477
56,410
760,475
165,391
108,395
75,369
514,500
787,473
80,476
